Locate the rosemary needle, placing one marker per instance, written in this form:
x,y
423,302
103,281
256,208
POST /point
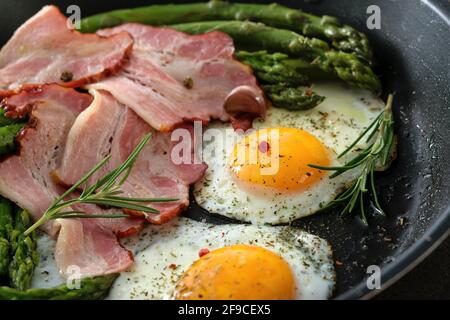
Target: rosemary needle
x,y
380,135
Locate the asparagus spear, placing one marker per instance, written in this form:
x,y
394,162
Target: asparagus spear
x,y
296,98
91,289
6,226
272,68
249,35
7,137
4,120
282,82
8,131
24,253
349,69
341,37
286,67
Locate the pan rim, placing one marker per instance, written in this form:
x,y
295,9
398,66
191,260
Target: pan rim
x,y
433,236
406,261
423,247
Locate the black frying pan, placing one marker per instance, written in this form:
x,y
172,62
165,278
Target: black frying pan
x,y
413,57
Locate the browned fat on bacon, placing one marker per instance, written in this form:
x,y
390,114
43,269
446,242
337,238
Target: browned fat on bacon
x,y
174,77
26,178
45,50
154,175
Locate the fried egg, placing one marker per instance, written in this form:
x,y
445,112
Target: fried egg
x,y
187,259
263,176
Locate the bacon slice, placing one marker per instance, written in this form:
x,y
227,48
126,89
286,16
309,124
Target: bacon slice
x,y
44,50
173,77
120,227
154,175
26,178
86,247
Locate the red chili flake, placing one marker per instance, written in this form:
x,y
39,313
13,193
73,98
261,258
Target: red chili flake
x,y
264,147
173,266
203,252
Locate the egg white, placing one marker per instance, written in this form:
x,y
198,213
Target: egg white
x,y
46,273
164,253
337,122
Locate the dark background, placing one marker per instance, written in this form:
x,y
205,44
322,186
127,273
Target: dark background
x,y
402,58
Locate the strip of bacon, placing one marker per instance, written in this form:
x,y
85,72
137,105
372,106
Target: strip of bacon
x,y
173,77
26,178
154,175
45,50
86,247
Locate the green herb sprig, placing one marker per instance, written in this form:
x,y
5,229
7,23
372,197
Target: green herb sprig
x,y
380,135
105,191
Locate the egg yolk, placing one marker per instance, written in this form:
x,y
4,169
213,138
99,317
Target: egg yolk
x,y
240,272
278,158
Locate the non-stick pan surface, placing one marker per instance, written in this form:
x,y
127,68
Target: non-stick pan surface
x,y
413,58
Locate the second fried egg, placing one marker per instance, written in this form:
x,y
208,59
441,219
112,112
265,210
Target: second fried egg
x,y
191,260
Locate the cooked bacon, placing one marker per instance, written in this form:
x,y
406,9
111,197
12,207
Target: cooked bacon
x,y
26,178
154,175
44,50
173,77
120,227
86,247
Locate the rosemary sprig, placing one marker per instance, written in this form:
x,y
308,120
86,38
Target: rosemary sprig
x,y
104,192
381,135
